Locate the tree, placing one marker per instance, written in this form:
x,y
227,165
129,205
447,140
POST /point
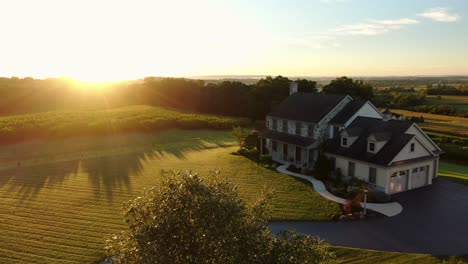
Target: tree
x,y
345,85
306,86
190,219
246,138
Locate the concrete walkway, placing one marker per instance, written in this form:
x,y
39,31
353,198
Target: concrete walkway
x,y
388,209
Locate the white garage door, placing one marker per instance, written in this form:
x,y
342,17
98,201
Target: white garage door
x,y
418,177
399,182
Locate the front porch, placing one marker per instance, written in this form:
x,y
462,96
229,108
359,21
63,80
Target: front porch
x,y
287,153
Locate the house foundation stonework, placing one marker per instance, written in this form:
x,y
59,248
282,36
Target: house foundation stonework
x,y
391,155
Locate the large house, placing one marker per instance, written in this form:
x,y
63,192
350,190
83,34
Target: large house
x,y
391,155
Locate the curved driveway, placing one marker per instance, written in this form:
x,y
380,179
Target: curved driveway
x,y
434,221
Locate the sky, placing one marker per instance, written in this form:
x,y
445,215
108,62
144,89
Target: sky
x,y
100,40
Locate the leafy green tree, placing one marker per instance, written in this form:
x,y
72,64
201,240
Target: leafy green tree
x,y
306,86
246,138
345,85
189,219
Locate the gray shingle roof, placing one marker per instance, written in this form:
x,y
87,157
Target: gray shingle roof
x,y
347,112
358,150
307,107
287,138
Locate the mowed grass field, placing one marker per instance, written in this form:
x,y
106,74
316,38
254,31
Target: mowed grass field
x,y
458,101
453,171
442,124
60,199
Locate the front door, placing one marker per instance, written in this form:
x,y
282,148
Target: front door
x,y
298,155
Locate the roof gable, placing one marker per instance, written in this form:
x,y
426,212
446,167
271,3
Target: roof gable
x,y
397,140
307,107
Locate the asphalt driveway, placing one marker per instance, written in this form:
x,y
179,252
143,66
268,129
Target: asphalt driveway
x,y
434,221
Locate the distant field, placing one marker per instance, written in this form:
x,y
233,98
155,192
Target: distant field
x,y
138,118
460,102
455,172
443,124
60,199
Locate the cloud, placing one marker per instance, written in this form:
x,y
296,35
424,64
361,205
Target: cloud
x,y
440,14
374,27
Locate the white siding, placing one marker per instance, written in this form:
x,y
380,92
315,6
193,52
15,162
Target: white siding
x,y
413,130
350,141
367,110
378,145
361,170
323,124
419,151
269,122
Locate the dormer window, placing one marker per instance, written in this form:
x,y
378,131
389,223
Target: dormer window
x,y
412,147
344,141
371,147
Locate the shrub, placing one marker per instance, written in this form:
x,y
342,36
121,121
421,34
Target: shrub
x,y
322,168
352,205
246,138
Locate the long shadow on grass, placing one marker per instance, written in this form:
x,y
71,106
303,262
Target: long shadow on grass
x,y
106,174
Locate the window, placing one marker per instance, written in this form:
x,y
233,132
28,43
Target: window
x,y
412,147
344,141
351,169
394,174
275,145
332,163
275,124
402,173
371,146
414,170
422,169
372,175
310,131
298,128
268,123
285,126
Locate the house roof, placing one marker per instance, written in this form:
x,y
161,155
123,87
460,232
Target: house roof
x,y
287,138
307,107
394,130
347,112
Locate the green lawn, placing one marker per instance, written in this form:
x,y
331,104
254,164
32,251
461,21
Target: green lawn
x,y
453,171
60,199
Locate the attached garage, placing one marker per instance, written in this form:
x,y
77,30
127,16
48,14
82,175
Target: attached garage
x,y
399,182
419,176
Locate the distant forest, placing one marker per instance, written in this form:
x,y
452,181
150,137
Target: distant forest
x,y
222,97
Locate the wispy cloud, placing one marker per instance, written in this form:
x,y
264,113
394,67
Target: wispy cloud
x,y
374,27
331,38
440,14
